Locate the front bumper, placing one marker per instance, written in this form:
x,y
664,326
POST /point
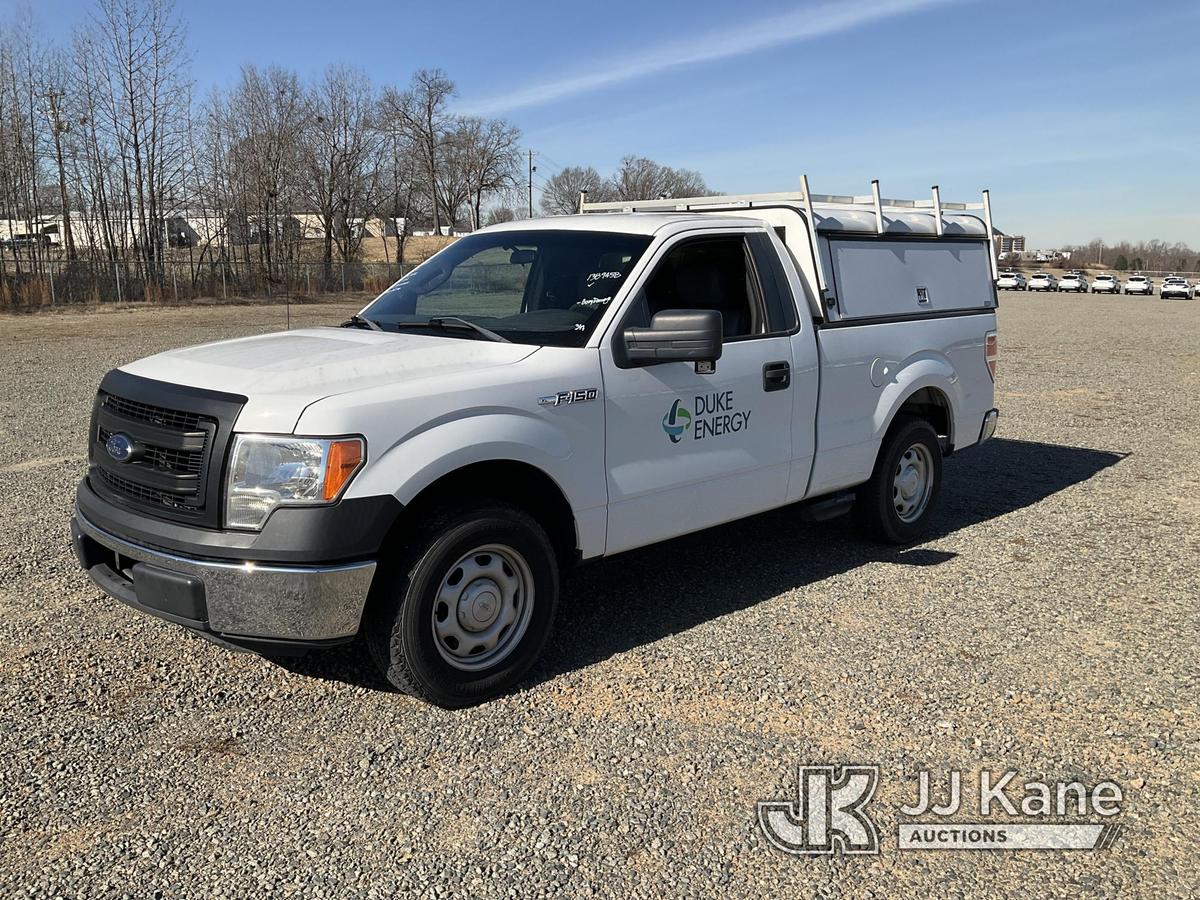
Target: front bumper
x,y
251,605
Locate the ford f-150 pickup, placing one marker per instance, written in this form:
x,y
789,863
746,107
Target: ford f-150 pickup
x,y
537,394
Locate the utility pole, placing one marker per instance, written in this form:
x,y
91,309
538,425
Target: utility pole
x,y
532,169
58,127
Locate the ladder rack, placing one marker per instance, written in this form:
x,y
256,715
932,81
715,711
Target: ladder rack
x,y
805,198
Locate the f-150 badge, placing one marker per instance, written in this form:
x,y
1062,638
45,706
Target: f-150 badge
x,y
578,395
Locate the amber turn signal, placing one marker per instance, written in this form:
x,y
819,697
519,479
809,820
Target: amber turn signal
x,y
342,461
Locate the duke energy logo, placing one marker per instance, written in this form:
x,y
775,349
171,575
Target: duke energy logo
x,y
677,420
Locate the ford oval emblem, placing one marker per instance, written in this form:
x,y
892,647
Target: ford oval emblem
x,y
119,447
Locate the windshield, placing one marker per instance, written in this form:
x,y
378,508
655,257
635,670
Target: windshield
x,y
530,287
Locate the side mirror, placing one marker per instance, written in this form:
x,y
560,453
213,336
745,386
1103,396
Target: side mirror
x,y
676,335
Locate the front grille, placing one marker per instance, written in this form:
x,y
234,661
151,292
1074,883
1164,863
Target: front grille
x,y
154,415
168,472
182,461
179,436
146,495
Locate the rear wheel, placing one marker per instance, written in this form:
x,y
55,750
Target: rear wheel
x,y
465,611
896,504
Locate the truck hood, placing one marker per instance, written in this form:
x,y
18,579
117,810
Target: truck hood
x,y
282,373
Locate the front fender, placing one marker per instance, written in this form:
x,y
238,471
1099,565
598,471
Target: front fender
x,y
440,447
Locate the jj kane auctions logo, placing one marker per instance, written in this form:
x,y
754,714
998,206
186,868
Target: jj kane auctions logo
x,y
828,814
715,415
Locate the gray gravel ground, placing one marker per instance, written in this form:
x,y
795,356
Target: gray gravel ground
x,y
1050,627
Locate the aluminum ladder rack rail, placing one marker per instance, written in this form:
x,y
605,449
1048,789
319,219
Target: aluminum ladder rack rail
x,y
805,198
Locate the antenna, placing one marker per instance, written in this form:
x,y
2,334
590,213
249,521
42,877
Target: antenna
x,y
937,211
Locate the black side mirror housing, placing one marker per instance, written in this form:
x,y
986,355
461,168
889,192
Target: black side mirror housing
x,y
675,335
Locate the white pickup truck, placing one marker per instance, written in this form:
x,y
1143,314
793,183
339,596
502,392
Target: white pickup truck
x,y
537,394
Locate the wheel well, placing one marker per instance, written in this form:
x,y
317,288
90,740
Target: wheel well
x,y
513,482
933,406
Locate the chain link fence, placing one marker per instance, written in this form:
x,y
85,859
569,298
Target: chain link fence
x,y
30,285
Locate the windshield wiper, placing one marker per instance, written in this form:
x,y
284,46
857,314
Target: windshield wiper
x,y
453,322
357,321
456,322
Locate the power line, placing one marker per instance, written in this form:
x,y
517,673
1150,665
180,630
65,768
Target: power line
x,y
552,162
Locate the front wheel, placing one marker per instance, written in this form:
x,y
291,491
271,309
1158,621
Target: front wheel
x,y
465,611
895,506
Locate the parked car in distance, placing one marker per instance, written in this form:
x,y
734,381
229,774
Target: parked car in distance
x,y
1176,287
1074,281
1011,281
1139,284
1106,284
27,240
1042,281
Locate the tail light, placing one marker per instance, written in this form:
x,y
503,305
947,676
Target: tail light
x,y
991,352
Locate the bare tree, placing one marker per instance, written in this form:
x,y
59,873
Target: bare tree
x,y
266,118
498,214
639,178
422,113
561,194
145,99
342,151
491,158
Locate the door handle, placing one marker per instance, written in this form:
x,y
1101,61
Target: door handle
x,y
777,376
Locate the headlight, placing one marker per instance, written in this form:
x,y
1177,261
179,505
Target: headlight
x,y
267,471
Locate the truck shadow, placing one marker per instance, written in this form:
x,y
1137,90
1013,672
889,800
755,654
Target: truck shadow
x,y
644,595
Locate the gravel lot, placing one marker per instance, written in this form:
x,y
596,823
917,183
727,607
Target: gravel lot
x,y
1050,627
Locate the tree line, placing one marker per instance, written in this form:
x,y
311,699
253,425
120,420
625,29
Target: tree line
x,y
636,178
105,134
1152,256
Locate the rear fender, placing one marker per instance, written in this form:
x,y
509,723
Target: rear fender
x,y
924,370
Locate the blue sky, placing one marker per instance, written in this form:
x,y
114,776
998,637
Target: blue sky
x,y
1082,116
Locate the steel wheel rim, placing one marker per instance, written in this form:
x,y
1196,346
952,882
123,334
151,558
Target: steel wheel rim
x,y
482,607
912,484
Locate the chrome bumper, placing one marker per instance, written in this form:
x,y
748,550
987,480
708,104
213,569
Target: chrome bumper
x,y
287,604
990,419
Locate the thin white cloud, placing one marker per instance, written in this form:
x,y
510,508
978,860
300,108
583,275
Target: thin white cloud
x,y
804,24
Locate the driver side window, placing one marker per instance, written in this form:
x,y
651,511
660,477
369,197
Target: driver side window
x,y
489,283
708,273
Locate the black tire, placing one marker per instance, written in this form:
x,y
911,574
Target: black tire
x,y
875,503
400,626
